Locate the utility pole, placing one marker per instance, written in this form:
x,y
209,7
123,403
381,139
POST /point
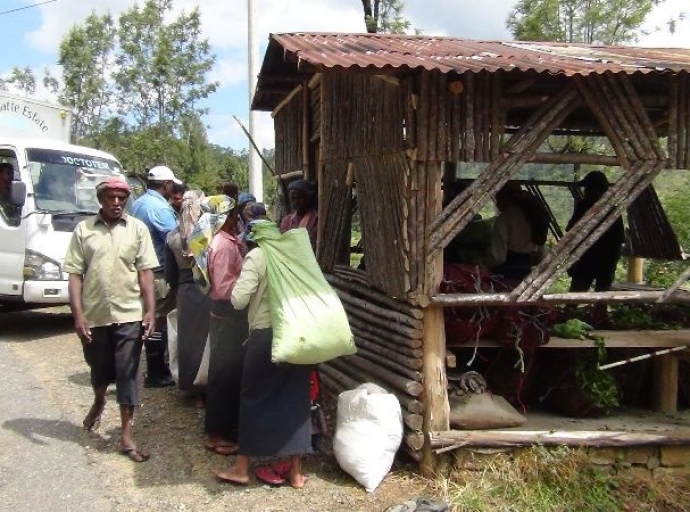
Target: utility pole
x,y
256,184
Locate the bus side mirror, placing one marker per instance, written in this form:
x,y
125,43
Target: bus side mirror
x,y
18,194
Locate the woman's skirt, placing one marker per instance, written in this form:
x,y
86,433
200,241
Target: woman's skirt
x,y
192,325
228,336
275,414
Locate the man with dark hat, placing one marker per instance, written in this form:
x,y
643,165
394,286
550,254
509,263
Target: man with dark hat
x,y
109,261
598,264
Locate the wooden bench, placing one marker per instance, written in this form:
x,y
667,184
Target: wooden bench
x,y
665,372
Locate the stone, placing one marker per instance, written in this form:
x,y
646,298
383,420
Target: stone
x,y
675,456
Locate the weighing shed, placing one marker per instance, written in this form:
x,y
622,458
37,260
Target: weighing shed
x,y
375,118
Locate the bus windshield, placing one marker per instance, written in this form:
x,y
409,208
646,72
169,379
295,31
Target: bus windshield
x,y
65,182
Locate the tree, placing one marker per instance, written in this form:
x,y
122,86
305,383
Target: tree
x,y
19,80
582,21
161,67
86,56
384,16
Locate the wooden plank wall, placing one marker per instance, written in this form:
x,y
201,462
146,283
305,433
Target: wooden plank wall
x,y
388,334
679,121
454,119
363,115
288,136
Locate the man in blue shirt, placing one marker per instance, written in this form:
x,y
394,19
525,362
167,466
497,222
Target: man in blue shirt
x,y
154,210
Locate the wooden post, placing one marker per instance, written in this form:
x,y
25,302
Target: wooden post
x,y
666,384
435,394
635,270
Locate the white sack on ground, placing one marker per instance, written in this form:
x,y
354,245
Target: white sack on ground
x,y
368,433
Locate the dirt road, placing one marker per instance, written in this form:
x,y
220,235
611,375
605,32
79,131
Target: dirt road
x,y
48,462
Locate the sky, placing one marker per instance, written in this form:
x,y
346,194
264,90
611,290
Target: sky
x,y
31,37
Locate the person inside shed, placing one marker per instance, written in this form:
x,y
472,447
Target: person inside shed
x,y
304,213
598,263
519,233
469,246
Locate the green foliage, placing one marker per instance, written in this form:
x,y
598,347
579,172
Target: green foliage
x,y
86,56
583,21
21,80
598,386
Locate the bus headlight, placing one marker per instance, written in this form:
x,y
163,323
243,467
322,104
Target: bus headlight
x,y
38,267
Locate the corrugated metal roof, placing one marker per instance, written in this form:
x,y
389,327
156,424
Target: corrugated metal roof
x,y
451,54
295,53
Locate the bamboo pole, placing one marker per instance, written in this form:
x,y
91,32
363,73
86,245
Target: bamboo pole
x,y
615,297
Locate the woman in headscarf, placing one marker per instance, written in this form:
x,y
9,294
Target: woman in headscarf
x,y
274,411
192,303
221,262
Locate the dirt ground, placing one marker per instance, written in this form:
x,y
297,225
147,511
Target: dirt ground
x,y
179,475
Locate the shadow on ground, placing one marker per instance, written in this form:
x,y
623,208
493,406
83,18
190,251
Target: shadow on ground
x,y
21,326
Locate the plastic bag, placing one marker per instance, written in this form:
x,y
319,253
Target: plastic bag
x,y
309,322
172,345
201,378
368,433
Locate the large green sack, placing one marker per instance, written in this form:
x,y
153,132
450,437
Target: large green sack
x,y
309,322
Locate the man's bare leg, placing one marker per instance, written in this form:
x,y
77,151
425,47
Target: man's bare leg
x,y
93,418
127,445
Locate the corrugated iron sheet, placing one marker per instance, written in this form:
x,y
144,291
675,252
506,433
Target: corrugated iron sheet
x,y
459,55
292,57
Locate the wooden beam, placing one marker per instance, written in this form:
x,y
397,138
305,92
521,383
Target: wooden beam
x,y
666,383
593,438
286,100
437,414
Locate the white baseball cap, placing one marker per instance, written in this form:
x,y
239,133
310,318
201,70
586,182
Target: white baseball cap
x,y
162,173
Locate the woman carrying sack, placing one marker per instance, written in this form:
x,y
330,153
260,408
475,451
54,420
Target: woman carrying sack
x,y
274,407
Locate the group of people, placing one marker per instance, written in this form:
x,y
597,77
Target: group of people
x,y
511,243
195,255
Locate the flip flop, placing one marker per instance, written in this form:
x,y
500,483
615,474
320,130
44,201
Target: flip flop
x,y
282,468
222,449
268,476
135,455
225,480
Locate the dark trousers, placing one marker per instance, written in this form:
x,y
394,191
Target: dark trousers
x,y
113,356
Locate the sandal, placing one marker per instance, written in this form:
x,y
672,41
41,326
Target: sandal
x,y
268,476
282,468
221,449
135,455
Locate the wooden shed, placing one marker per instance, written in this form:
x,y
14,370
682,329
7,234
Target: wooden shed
x,y
385,113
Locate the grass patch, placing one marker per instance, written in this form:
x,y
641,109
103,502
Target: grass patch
x,y
554,480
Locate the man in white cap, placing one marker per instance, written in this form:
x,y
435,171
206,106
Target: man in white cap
x,y
154,210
